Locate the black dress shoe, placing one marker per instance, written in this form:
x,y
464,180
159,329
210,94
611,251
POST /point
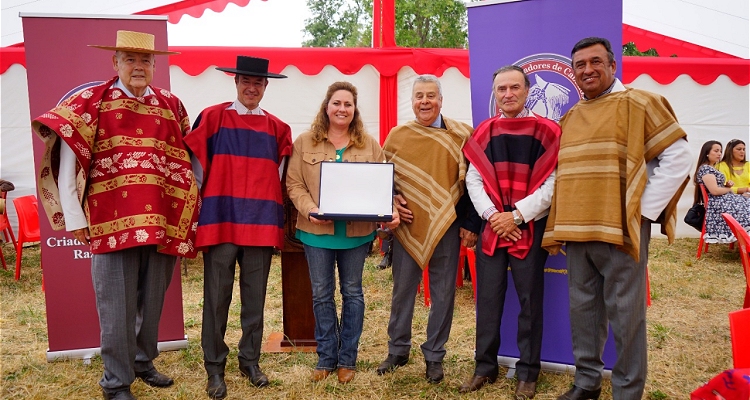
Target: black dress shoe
x,y
434,371
391,363
121,395
256,376
475,383
154,378
386,261
576,393
216,388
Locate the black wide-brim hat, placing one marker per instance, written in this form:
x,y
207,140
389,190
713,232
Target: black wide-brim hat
x,y
251,66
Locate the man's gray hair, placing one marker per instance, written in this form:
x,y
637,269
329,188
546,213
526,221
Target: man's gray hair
x,y
428,78
509,68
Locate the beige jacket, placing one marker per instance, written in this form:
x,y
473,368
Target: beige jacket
x,y
303,179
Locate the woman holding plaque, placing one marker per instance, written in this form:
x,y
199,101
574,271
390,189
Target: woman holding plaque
x,y
336,134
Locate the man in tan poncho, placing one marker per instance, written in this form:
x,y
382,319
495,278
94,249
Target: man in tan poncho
x,y
433,204
623,164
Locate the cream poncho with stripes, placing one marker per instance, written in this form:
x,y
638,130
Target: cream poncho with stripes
x,y
605,145
430,170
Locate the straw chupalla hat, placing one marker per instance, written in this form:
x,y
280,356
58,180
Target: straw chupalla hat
x,y
136,42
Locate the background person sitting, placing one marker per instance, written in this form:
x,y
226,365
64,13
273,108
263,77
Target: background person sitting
x,y
735,167
721,199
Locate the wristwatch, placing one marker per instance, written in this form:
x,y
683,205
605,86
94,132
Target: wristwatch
x,y
517,218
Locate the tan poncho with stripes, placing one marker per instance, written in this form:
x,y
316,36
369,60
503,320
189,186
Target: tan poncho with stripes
x,y
601,174
430,171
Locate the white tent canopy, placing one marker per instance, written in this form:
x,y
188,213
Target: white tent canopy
x,y
706,112
720,25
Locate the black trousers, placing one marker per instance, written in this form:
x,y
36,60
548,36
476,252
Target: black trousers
x,y
219,264
492,283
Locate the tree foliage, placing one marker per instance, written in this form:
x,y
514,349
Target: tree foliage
x,y
339,23
419,23
629,49
431,23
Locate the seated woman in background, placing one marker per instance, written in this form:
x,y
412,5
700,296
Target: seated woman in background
x,y
336,134
735,167
721,199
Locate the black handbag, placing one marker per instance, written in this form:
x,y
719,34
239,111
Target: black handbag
x,y
695,216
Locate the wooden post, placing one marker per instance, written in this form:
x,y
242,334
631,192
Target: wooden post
x,y
299,321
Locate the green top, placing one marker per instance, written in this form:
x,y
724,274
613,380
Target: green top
x,y
339,240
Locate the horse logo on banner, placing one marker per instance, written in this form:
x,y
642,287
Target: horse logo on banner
x,y
553,89
547,99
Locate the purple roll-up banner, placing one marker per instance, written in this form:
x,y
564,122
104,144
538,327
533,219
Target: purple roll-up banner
x,y
538,35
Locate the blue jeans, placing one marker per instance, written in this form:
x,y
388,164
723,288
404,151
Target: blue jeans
x,y
338,342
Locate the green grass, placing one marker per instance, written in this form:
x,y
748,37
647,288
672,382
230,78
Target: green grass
x,y
688,335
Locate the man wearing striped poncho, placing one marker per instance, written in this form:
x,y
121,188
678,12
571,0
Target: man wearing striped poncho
x,y
510,181
433,204
623,164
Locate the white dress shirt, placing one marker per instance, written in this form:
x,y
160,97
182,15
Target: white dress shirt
x,y
666,172
242,110
532,207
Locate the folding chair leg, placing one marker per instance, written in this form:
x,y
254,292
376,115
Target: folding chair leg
x,y
19,249
8,234
460,274
472,258
702,247
648,289
426,283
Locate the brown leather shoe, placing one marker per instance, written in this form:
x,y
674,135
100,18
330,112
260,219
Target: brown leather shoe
x,y
346,375
319,374
475,383
525,390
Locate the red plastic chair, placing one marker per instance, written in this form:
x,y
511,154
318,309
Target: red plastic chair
x,y
743,242
28,225
5,223
702,242
471,257
465,254
6,229
648,288
739,329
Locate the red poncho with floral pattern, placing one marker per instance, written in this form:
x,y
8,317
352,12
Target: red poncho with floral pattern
x,y
134,175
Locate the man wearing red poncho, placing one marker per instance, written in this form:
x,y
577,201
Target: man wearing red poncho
x,y
241,150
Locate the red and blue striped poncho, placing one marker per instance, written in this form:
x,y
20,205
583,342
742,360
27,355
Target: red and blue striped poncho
x,y
514,156
241,192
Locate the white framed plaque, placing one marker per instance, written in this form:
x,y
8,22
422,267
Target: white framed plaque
x,y
356,191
